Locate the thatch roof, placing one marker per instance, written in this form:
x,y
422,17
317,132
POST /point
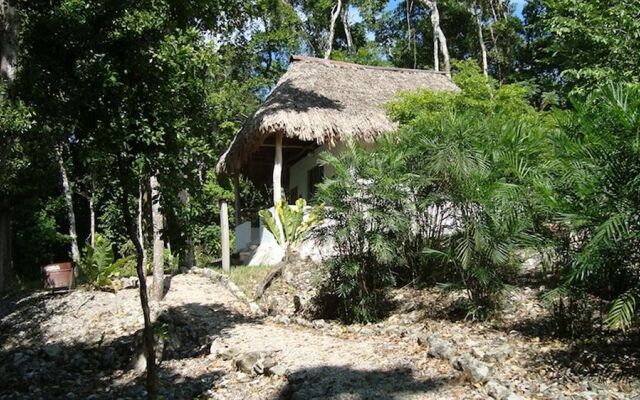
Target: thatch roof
x,y
327,101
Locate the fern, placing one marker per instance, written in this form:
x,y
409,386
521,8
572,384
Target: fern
x,y
622,310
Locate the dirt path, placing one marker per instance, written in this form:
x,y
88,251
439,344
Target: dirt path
x,y
79,345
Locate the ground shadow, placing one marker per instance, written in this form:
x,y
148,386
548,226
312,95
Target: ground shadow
x,y
617,359
328,382
190,328
98,367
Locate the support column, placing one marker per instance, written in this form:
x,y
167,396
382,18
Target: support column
x,y
277,170
237,199
224,227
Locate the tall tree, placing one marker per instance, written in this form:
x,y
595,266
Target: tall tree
x,y
439,38
335,13
9,148
158,242
576,46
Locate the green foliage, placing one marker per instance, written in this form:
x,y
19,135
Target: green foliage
x,y
97,266
450,196
295,225
598,198
576,46
367,221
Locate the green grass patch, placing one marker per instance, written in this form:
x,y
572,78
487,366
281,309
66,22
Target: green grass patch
x,y
248,277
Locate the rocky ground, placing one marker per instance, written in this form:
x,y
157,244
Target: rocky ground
x,y
217,345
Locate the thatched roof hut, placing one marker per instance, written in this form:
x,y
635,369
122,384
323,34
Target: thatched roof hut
x,y
322,102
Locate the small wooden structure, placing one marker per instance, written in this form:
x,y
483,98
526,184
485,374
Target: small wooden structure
x,y
58,276
317,105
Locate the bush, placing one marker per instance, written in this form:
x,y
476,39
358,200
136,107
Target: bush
x,y
449,197
97,266
598,192
366,225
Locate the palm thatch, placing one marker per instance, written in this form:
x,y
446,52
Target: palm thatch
x,y
326,101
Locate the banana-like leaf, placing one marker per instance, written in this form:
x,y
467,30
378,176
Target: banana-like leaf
x,y
272,226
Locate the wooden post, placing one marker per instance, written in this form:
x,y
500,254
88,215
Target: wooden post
x,y
238,200
224,227
277,170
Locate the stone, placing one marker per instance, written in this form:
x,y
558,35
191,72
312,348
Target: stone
x,y
53,350
439,348
499,354
319,323
474,370
255,309
129,282
277,370
477,353
497,390
19,359
254,363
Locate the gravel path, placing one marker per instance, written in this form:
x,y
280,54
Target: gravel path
x,y
79,345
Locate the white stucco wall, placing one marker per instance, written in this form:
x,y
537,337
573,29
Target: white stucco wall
x,y
298,172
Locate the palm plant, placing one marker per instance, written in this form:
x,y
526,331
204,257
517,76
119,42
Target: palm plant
x,y
291,225
599,190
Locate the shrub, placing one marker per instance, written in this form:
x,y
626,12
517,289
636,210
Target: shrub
x,y
598,192
97,266
293,224
366,225
450,196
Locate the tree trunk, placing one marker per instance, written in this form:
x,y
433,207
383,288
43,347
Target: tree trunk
x,y
68,197
9,46
92,216
158,243
347,29
152,388
188,260
141,191
335,13
7,273
277,181
441,38
506,9
8,49
483,48
224,230
411,35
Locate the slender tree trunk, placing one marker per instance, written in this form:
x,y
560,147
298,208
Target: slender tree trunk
x,y
8,50
483,48
152,387
347,29
71,215
436,51
158,243
441,38
506,9
92,216
189,259
141,219
7,273
492,6
9,45
411,34
335,13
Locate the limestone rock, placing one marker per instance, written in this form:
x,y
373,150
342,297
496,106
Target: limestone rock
x,y
439,348
497,390
474,370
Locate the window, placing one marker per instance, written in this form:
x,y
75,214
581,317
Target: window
x,y
314,177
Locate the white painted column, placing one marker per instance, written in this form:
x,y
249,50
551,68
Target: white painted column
x,y
237,199
277,170
224,228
